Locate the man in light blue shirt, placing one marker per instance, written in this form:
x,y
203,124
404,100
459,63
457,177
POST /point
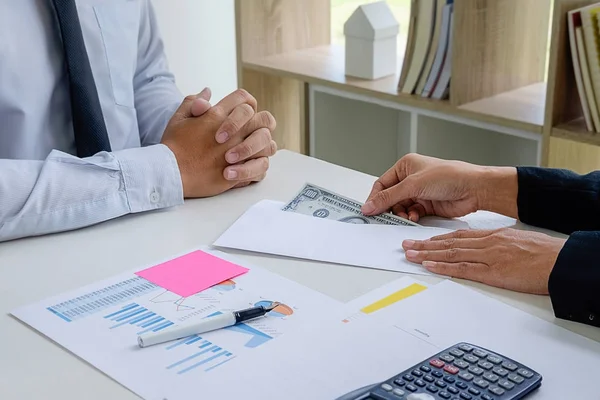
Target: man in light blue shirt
x,y
147,146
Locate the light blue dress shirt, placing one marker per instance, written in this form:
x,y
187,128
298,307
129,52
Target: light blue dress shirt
x,y
44,188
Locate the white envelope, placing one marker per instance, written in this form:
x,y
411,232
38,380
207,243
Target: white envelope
x,y
265,228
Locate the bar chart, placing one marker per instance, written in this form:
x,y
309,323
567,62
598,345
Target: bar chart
x,y
101,299
207,355
135,315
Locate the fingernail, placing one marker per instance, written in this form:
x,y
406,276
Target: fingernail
x,y
232,174
429,264
222,137
232,157
369,207
409,244
412,254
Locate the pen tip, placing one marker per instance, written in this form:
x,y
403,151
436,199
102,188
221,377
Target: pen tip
x,y
273,306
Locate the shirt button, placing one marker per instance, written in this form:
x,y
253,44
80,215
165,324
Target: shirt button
x,y
154,197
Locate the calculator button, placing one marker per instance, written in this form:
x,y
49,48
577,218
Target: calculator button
x,y
466,348
452,390
500,371
432,389
461,364
480,383
420,383
465,376
451,369
441,384
474,391
457,353
476,371
480,353
425,368
471,358
496,390
437,374
399,382
486,397
461,385
447,357
449,379
465,396
506,384
408,378
399,392
494,359
516,378
386,387
416,372
444,395
488,376
412,388
437,363
509,366
524,372
486,365
429,378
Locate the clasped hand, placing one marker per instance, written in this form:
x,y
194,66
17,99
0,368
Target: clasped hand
x,y
418,186
220,147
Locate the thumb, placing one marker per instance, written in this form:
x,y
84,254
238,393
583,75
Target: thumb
x,y
193,103
384,200
202,103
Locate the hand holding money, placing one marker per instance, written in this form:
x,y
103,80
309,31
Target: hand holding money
x,y
322,203
418,186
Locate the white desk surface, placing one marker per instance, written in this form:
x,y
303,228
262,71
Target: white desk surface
x,y
32,367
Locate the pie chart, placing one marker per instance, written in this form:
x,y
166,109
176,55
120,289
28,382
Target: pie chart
x,y
280,311
225,286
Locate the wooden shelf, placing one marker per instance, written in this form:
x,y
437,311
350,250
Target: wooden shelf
x,y
576,131
522,108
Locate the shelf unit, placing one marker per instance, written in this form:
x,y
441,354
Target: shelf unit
x,y
501,110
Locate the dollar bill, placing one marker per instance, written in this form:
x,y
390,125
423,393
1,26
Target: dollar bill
x,y
322,203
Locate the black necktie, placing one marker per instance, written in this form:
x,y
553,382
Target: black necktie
x,y
88,122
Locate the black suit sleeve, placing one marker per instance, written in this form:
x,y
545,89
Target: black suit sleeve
x,y
559,200
569,203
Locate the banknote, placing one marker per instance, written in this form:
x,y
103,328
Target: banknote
x,y
322,203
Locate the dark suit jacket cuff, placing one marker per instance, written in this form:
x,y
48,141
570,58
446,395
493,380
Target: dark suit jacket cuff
x,y
574,283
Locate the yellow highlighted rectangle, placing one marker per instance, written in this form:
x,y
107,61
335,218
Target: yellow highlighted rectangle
x,y
394,298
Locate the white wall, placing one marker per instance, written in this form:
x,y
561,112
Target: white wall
x,y
199,38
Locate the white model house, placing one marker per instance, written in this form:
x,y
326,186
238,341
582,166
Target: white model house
x,y
371,41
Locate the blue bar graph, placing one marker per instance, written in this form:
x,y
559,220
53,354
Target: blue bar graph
x,y
135,315
152,321
193,340
162,326
102,299
206,360
191,357
209,355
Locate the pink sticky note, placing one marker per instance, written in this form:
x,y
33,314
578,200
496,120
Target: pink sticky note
x,y
191,273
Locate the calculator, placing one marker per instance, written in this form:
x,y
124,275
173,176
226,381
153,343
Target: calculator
x,y
461,372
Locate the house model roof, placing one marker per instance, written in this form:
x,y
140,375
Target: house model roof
x,y
372,21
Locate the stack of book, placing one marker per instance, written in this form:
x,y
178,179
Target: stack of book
x,y
427,62
584,40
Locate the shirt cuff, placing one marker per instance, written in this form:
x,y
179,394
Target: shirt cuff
x,y
151,177
575,280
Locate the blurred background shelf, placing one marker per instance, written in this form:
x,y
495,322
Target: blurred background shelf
x,y
511,98
576,131
521,108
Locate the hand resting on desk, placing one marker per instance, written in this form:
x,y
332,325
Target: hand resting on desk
x,y
418,186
